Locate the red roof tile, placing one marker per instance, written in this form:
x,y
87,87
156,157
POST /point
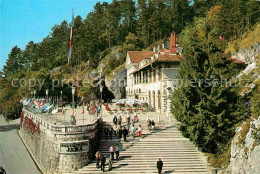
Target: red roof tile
x,y
137,56
164,50
169,58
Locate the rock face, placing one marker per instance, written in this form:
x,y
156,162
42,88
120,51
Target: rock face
x,y
117,84
248,55
245,158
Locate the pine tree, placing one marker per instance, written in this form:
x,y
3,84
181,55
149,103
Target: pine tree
x,y
13,63
205,105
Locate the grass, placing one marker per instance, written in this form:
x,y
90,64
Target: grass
x,y
244,131
248,39
221,159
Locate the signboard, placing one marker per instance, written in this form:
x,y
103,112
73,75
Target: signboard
x,y
74,146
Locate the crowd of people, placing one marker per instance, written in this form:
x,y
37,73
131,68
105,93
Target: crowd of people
x,y
120,132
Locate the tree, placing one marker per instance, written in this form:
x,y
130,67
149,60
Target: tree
x,y
13,63
205,105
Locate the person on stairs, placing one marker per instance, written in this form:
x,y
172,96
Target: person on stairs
x,y
133,130
149,123
115,121
110,131
103,163
120,132
125,133
140,129
153,125
119,121
106,132
159,166
98,155
112,152
117,152
110,163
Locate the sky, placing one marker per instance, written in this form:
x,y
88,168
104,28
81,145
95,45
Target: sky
x,y
22,21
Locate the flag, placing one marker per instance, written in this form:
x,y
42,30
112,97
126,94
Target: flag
x,y
70,46
82,112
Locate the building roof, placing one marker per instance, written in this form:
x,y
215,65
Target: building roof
x,y
164,50
163,58
137,56
167,57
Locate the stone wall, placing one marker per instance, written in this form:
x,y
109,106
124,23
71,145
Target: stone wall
x,y
44,143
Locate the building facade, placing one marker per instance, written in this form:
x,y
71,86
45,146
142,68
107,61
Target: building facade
x,y
151,75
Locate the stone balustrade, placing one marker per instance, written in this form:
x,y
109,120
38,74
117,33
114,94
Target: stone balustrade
x,y
59,129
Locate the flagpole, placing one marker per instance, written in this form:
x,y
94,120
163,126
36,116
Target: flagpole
x,y
71,60
83,115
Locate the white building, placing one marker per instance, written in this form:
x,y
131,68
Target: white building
x,y
151,75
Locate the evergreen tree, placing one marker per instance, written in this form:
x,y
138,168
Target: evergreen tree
x,y
205,105
13,63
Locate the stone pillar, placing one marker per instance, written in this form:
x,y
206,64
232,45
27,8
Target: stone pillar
x,y
163,103
148,76
168,111
157,75
152,76
142,76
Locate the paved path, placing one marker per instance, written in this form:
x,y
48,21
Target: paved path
x,y
14,156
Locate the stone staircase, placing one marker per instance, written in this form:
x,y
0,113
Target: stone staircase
x,y
178,154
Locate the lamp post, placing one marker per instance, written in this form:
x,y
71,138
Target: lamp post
x,y
61,98
34,92
101,90
73,93
47,92
31,94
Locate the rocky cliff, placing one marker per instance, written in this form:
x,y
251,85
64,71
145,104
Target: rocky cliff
x,y
116,83
245,149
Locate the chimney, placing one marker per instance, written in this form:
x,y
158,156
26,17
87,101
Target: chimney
x,y
158,47
154,49
173,42
162,45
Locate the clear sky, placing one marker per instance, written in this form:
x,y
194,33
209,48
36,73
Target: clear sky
x,y
22,21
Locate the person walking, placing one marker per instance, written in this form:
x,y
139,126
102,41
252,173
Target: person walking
x,y
120,132
128,119
2,170
98,155
149,123
112,151
106,132
110,163
133,130
153,125
140,129
125,133
115,121
159,166
119,121
103,163
110,131
117,152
